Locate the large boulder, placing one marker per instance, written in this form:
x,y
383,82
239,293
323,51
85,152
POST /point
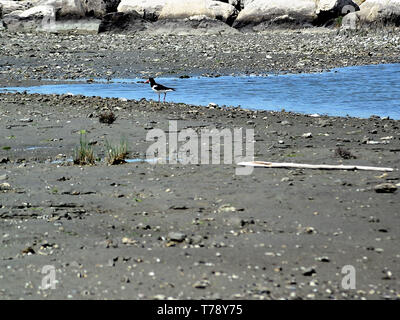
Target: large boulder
x,y
374,12
9,6
179,9
269,12
99,8
148,9
94,8
194,25
183,9
120,22
225,12
30,20
53,15
235,3
327,10
112,5
245,3
66,9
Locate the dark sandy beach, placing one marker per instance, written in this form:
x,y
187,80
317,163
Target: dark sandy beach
x,y
145,231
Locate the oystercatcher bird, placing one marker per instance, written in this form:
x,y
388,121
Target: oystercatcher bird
x,y
159,88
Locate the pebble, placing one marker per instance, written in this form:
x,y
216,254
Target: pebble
x,y
385,188
202,284
176,236
226,208
26,120
308,271
5,186
126,240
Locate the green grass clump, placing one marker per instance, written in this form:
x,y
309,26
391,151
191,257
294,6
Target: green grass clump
x,y
339,21
84,153
116,154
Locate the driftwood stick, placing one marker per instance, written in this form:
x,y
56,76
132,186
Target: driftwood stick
x,y
310,166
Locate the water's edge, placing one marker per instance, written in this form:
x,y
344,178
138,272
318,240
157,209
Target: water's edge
x,y
359,91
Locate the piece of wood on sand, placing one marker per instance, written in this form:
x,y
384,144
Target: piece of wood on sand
x,y
265,164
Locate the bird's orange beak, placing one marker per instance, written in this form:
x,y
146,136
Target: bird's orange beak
x,y
147,81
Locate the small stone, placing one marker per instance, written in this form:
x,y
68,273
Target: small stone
x,y
385,188
4,160
308,271
176,236
126,240
226,208
5,186
28,250
307,135
323,259
26,120
309,230
202,284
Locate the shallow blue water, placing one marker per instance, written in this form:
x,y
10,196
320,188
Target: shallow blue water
x,y
356,91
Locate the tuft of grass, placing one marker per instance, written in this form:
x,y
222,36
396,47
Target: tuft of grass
x,y
343,153
6,148
84,153
116,154
339,21
107,117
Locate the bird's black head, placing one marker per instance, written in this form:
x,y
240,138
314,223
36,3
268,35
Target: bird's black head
x,y
151,81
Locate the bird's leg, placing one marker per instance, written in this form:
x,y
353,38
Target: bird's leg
x,y
165,94
158,97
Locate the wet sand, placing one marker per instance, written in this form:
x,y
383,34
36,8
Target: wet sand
x,y
145,231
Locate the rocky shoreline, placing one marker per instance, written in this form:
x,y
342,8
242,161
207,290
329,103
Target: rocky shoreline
x,y
193,16
29,58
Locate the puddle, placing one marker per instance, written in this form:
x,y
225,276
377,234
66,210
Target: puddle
x,y
359,91
38,148
153,160
137,160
